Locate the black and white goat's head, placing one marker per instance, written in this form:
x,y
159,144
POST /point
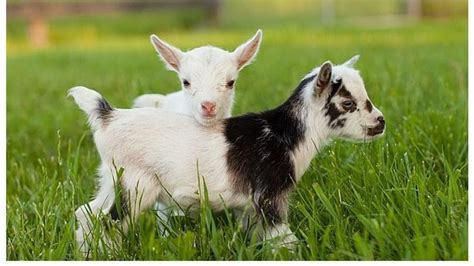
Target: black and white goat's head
x,y
347,110
208,74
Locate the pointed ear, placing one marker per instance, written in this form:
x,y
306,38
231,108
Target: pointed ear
x,y
351,62
323,79
169,54
245,53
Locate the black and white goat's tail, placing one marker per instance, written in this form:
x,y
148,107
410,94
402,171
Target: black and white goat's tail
x,y
98,110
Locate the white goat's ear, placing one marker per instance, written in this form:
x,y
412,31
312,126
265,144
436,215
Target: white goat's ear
x,y
323,79
245,53
351,62
168,53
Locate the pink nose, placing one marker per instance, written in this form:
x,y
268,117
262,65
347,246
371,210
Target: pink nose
x,y
208,108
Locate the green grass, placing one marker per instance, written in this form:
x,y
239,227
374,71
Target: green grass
x,y
403,197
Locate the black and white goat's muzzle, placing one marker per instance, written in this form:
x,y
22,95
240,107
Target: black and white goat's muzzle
x,y
377,130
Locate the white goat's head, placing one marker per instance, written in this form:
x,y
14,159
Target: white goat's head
x,y
208,74
348,111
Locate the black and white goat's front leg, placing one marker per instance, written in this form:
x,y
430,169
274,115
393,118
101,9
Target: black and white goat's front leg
x,y
273,212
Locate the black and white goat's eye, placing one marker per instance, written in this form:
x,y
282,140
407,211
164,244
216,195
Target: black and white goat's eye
x,y
348,104
186,83
230,84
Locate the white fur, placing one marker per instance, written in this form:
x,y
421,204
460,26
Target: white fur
x,y
165,151
87,101
151,100
208,69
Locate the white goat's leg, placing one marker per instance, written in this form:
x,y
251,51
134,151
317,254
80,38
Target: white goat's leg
x,y
140,191
85,213
162,218
148,100
163,213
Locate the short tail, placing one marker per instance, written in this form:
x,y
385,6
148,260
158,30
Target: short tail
x,y
93,104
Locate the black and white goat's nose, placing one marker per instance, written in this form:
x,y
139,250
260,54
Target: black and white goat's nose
x,y
381,120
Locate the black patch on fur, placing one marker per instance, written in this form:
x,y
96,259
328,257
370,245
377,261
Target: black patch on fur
x,y
368,106
332,112
259,151
343,92
339,123
119,209
104,110
335,86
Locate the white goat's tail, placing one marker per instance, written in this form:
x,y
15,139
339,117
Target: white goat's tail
x,y
149,100
93,104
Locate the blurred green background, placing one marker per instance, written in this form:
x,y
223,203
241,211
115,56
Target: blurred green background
x,y
88,28
402,197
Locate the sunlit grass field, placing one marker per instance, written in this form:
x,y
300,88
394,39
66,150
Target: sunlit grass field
x,y
402,197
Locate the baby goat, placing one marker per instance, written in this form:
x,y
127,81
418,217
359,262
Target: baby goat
x,y
257,157
207,75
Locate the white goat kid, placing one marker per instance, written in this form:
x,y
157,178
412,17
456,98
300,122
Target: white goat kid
x,y
207,75
253,158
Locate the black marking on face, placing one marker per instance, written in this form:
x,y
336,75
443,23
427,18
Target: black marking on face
x,y
104,110
335,86
368,106
331,109
259,154
376,130
332,112
339,123
343,92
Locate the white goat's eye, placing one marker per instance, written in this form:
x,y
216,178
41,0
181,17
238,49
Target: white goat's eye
x,y
186,83
230,84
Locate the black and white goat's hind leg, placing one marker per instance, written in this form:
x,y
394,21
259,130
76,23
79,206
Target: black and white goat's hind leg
x,y
273,212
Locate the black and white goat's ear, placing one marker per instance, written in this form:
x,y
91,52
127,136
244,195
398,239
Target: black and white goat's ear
x,y
169,54
323,79
245,53
351,62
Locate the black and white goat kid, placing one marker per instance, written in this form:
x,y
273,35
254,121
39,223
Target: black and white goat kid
x,y
257,157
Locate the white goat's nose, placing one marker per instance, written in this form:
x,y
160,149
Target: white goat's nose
x,y
209,108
